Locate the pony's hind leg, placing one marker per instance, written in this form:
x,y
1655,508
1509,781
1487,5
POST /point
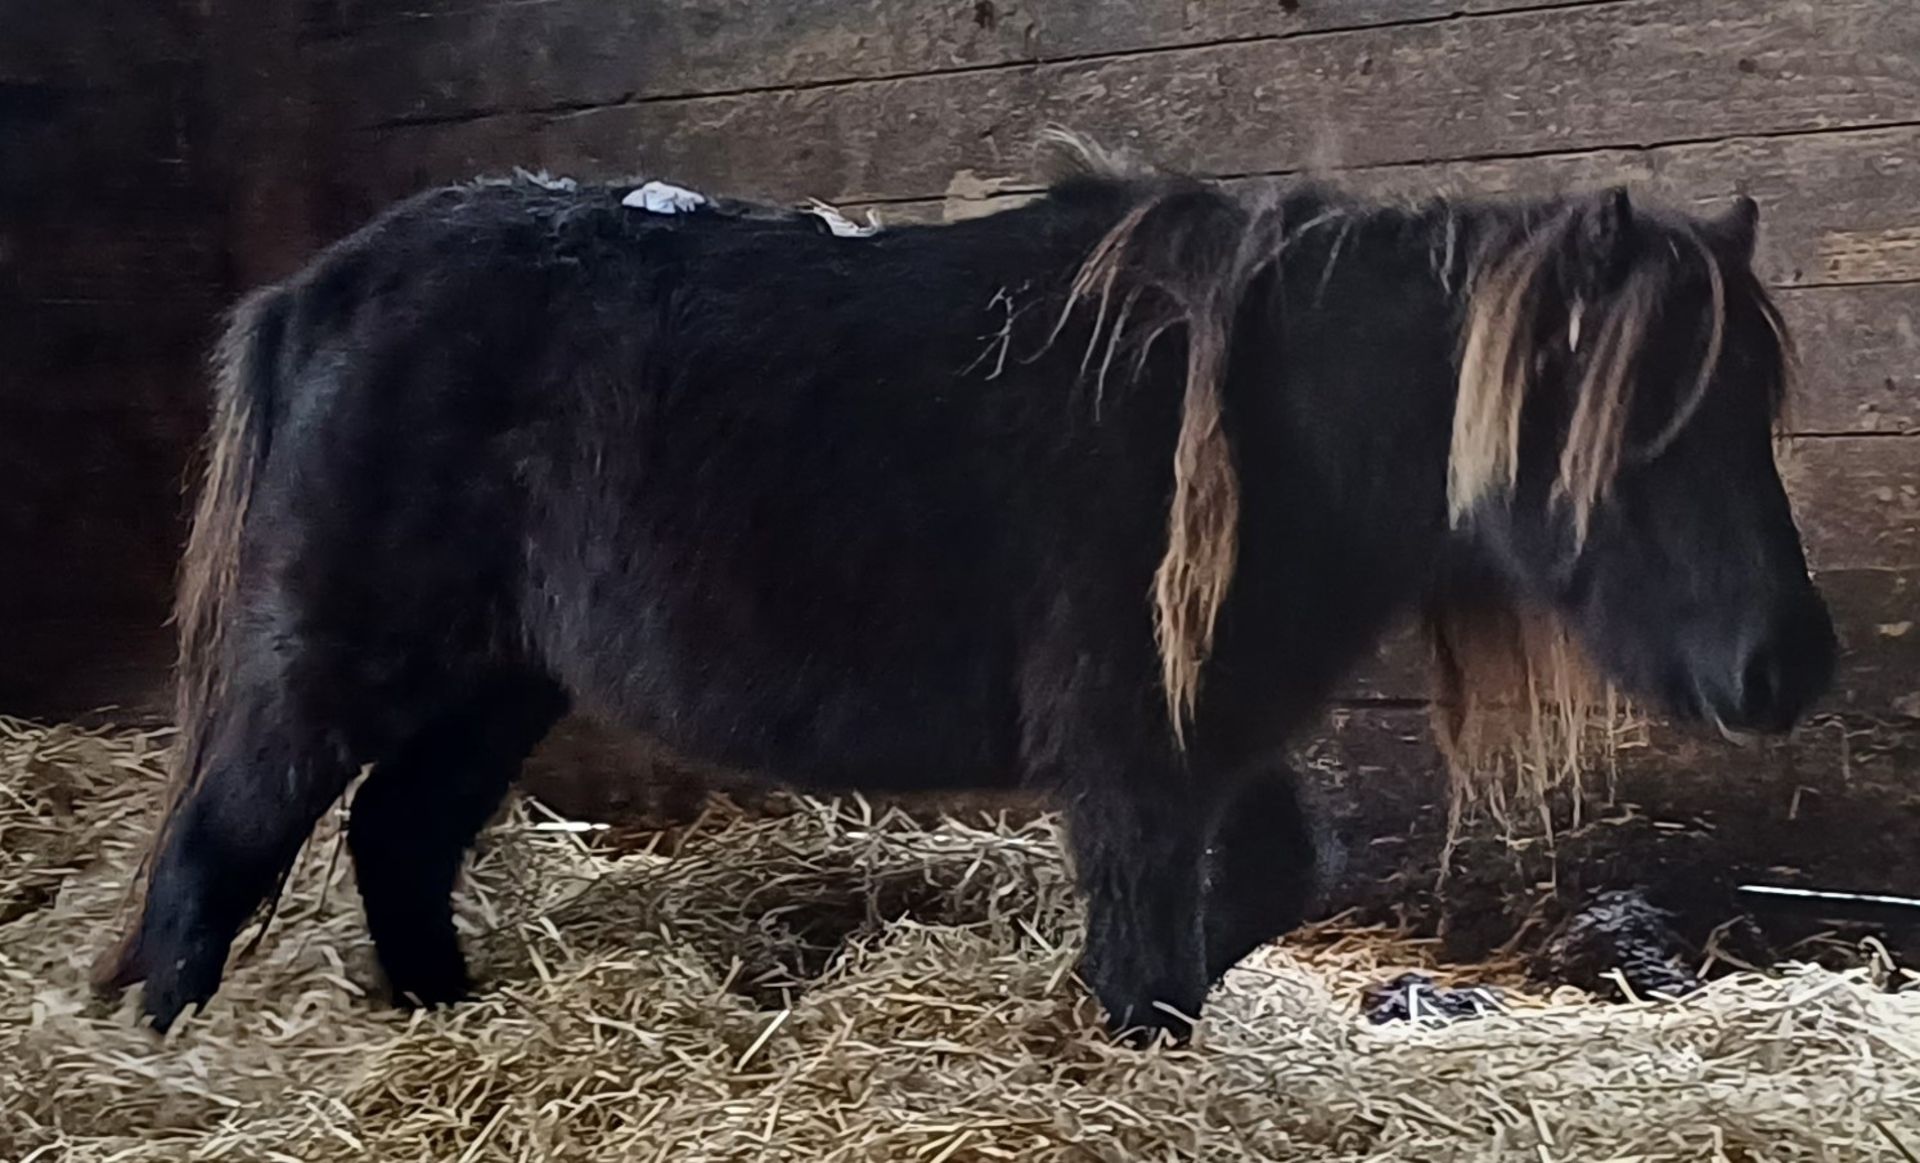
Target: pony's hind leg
x,y
265,777
413,819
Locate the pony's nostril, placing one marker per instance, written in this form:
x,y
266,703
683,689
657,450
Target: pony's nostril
x,y
1760,682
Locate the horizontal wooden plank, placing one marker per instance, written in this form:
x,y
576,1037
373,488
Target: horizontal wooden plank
x,y
61,668
1857,500
892,44
105,255
1859,356
76,358
465,60
1877,614
1820,193
100,150
92,390
95,43
54,334
1646,71
91,512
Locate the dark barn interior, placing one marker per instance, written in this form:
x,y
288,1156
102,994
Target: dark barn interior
x,y
159,159
160,164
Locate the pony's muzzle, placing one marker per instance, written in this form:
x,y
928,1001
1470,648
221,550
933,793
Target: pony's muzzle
x,y
1779,673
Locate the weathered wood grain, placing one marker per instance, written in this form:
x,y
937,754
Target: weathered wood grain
x,y
1630,74
91,512
65,43
110,152
1877,613
455,60
100,362
110,271
113,257
1821,194
1859,357
1857,500
99,665
165,375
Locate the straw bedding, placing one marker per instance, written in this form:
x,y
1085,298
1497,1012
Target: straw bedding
x,y
840,983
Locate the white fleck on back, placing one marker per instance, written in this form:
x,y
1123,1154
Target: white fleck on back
x,y
663,198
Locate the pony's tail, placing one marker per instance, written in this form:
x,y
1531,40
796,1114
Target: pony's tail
x,y
245,364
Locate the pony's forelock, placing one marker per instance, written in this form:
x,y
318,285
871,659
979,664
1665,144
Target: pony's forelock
x,y
1514,280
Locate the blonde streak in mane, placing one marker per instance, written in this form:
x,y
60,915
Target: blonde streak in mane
x,y
1101,271
1203,524
1710,360
1591,453
1114,336
1191,582
1494,375
1515,696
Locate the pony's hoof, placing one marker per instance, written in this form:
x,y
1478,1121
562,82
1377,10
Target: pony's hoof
x,y
430,986
175,985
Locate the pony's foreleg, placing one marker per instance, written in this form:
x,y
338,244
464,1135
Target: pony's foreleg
x,y
1137,855
1137,825
1262,867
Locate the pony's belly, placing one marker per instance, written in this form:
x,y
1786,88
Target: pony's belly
x,y
906,712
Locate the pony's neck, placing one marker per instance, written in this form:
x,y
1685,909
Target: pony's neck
x,y
1342,397
1361,335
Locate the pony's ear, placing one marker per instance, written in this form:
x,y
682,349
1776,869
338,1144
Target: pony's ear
x,y
1602,240
1737,228
1611,221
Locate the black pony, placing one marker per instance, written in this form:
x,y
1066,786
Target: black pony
x,y
1099,495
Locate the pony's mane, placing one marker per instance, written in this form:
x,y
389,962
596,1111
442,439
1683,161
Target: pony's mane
x,y
1184,255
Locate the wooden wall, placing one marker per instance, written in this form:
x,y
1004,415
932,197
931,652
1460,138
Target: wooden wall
x,y
110,269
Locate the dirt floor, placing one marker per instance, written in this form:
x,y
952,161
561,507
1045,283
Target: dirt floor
x,y
842,983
